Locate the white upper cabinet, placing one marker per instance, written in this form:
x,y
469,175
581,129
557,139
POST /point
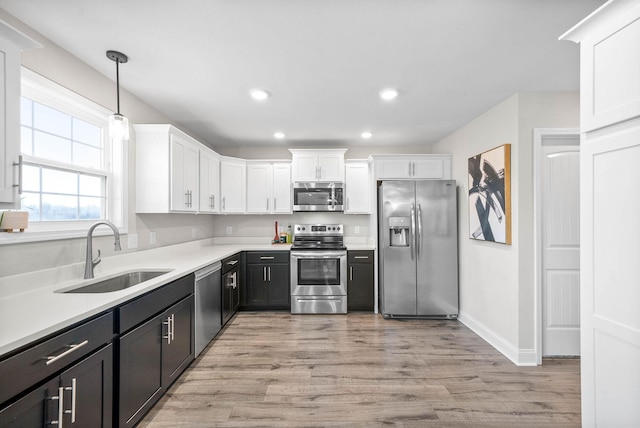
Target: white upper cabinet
x,y
282,188
233,185
167,162
209,182
268,187
11,43
357,187
412,167
318,164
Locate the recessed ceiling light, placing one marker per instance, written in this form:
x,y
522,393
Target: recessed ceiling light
x,y
389,94
259,94
366,135
279,135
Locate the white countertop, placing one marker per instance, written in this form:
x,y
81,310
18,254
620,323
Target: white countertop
x,y
30,307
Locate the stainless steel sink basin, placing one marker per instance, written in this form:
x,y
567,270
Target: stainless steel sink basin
x,y
119,282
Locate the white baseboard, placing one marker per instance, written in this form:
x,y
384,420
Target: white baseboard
x,y
520,357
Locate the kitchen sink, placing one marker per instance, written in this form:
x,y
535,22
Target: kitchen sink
x,y
117,283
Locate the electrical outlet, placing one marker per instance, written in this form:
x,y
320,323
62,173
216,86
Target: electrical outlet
x,y
193,233
152,238
229,230
357,230
132,240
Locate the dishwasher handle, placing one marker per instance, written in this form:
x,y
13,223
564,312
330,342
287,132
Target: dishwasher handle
x,y
206,271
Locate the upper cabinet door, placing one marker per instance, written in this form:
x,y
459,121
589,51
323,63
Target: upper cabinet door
x,y
259,188
184,175
282,188
318,165
233,186
412,167
209,182
11,42
357,188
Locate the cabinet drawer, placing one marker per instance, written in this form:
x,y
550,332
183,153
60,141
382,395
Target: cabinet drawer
x,y
360,256
35,364
133,313
266,257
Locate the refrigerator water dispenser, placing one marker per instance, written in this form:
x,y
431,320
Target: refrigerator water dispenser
x,y
399,231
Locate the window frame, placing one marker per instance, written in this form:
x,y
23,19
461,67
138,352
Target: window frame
x,y
115,161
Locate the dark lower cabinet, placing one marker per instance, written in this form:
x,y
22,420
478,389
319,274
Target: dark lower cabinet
x,y
231,283
87,396
151,357
360,280
267,284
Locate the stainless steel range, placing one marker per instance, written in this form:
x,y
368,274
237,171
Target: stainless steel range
x,y
318,269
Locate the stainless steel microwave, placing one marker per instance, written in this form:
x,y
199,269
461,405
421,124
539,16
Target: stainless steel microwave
x,y
318,196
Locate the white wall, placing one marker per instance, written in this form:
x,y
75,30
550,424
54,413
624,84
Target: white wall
x,y
497,281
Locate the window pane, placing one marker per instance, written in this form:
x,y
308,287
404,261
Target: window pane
x,y
91,185
87,156
26,117
56,207
91,208
26,143
86,133
31,178
55,181
54,148
52,121
30,202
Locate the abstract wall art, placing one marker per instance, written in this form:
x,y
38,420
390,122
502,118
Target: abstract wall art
x,y
490,195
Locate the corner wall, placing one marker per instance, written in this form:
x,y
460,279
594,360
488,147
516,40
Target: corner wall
x,y
497,295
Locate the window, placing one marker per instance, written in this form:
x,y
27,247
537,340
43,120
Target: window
x,y
72,174
63,177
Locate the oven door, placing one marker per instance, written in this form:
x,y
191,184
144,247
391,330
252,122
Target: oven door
x,y
318,273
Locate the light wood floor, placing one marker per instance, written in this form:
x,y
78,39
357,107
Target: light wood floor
x,y
282,370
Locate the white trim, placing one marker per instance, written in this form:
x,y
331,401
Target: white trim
x,y
520,357
47,92
538,135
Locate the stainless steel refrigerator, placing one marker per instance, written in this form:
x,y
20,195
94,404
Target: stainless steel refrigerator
x,y
418,249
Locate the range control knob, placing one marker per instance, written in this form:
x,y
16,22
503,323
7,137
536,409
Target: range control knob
x,y
338,228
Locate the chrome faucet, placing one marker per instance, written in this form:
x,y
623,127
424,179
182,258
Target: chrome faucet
x,y
90,263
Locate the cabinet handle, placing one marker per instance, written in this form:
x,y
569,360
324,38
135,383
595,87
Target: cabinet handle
x,y
19,165
60,398
275,204
347,204
73,390
169,324
232,262
409,169
361,257
413,165
53,359
269,272
186,199
264,274
213,201
267,257
350,273
267,204
224,203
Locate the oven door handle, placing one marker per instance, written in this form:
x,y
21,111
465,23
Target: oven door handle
x,y
318,254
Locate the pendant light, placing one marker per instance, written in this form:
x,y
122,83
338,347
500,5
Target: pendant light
x,y
118,124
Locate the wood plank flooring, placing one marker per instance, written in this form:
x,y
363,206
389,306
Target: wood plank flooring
x,y
274,369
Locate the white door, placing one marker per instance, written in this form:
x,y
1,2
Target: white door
x,y
259,178
560,240
282,188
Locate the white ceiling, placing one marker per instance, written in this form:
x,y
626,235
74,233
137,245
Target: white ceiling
x,y
324,61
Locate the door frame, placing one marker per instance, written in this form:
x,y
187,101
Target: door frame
x,y
538,135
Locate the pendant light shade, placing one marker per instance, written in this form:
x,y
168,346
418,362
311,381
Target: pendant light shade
x,y
118,124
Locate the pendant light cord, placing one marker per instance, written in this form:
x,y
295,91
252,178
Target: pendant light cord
x,y
118,86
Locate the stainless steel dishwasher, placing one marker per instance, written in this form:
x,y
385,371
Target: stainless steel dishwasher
x,y
208,320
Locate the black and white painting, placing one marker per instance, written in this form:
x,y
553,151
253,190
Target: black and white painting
x,y
490,195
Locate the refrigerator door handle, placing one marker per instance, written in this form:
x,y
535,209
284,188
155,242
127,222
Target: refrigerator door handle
x,y
419,234
412,239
